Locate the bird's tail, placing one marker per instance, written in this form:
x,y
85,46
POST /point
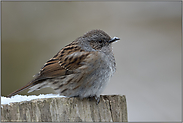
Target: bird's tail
x,y
21,89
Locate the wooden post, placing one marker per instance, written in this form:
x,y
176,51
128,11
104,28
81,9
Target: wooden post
x,y
112,108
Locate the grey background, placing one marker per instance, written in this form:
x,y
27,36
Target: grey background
x,y
148,56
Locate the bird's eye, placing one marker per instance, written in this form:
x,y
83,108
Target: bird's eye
x,y
100,41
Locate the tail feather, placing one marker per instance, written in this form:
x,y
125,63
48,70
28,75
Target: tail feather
x,y
19,90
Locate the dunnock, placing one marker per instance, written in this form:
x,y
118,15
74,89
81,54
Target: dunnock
x,y
82,68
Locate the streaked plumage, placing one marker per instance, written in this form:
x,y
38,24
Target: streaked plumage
x,y
81,68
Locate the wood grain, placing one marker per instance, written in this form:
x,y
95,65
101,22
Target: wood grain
x,y
112,108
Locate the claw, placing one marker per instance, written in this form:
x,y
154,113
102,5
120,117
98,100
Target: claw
x,y
97,99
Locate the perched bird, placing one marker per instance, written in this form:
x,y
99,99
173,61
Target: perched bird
x,y
80,69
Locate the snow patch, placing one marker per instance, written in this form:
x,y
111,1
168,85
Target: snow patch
x,y
19,98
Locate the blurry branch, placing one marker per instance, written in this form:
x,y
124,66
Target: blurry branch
x,y
112,108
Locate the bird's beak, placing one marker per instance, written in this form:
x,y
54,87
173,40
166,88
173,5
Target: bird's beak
x,y
114,39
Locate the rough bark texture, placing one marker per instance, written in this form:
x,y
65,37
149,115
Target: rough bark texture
x,y
112,108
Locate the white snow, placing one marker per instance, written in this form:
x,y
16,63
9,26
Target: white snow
x,y
19,98
116,38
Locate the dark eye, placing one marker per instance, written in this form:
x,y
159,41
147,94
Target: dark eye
x,y
100,41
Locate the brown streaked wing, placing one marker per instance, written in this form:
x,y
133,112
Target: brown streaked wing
x,y
66,62
74,60
53,69
65,66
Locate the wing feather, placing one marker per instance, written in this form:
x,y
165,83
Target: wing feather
x,y
62,66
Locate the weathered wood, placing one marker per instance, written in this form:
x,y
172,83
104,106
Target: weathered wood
x,y
112,108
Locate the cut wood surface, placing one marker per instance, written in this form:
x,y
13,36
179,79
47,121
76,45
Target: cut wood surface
x,y
112,108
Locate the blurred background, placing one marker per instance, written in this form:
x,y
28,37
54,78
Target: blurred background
x,y
148,56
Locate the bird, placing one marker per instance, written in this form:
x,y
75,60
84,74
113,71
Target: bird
x,y
81,69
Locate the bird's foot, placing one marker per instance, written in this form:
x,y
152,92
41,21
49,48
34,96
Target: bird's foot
x,y
96,98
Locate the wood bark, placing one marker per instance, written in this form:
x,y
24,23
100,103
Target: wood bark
x,y
112,108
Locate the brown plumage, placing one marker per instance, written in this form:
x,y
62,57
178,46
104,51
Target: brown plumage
x,y
81,68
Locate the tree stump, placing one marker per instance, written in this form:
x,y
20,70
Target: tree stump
x,y
112,108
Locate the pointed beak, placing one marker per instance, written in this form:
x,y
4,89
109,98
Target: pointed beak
x,y
114,39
